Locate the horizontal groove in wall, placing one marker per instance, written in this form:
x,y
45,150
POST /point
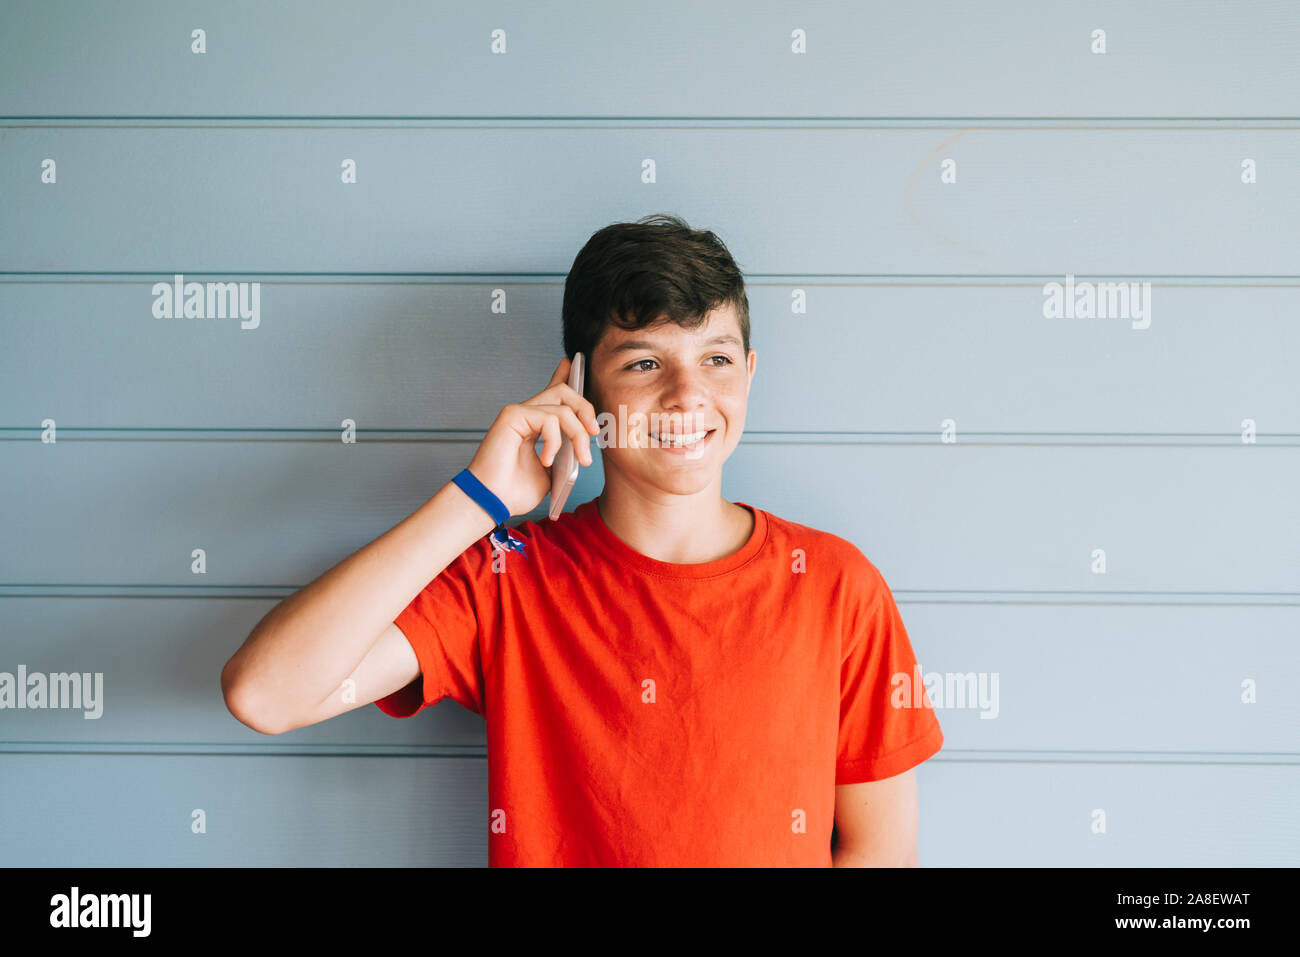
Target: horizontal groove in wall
x,y
902,595
263,750
451,751
334,277
396,121
378,436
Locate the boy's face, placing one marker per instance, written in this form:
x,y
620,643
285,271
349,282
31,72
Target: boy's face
x,y
692,380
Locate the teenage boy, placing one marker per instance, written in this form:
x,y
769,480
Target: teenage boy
x,y
667,678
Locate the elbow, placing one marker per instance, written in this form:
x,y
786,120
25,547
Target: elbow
x,y
242,703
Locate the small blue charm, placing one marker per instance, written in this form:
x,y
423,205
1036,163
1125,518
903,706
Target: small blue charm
x,y
503,541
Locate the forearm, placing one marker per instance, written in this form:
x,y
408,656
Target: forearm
x,y
311,641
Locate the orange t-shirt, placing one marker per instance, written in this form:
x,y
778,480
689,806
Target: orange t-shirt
x,y
645,713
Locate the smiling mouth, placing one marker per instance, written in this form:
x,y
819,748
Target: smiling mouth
x,y
682,441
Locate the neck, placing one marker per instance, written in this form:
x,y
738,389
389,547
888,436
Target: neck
x,y
683,529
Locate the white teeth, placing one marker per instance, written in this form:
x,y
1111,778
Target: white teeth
x,y
679,441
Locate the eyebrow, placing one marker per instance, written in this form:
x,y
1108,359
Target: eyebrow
x,y
632,344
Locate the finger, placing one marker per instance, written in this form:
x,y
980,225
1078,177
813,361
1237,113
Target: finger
x,y
564,394
535,421
530,422
550,440
561,373
577,433
559,377
584,407
568,423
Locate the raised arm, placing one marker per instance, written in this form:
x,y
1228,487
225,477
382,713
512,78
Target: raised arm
x,y
291,668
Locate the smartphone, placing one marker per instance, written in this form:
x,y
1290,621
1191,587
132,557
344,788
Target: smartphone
x,y
564,470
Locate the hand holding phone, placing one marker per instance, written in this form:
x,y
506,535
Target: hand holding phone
x,y
507,461
564,470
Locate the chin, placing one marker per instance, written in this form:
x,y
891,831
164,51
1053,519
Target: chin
x,y
684,484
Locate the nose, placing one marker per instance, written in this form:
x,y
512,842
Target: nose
x,y
684,389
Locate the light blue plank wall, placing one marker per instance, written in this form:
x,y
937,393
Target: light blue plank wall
x,y
885,303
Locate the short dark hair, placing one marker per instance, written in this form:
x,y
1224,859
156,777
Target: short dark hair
x,y
632,274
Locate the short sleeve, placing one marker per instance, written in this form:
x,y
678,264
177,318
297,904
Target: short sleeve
x,y
444,624
883,731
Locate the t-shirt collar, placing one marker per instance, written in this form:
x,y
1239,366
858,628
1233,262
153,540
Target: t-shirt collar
x,y
589,514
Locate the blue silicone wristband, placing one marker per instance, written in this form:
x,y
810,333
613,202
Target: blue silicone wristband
x,y
480,493
468,482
